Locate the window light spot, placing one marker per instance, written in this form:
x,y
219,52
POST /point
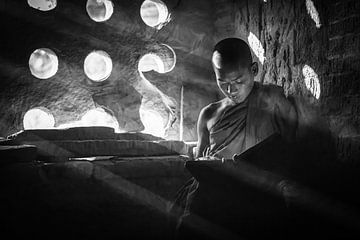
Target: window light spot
x,y
99,10
162,60
313,13
256,47
311,81
98,66
154,13
99,117
42,5
38,118
43,63
153,122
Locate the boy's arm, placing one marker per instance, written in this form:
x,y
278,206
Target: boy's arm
x,y
203,134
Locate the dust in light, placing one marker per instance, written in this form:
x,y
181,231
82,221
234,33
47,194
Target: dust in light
x,y
99,117
153,122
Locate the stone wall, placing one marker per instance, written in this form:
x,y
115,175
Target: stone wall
x,y
71,34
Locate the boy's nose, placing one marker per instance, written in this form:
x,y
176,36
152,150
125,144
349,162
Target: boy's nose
x,y
230,89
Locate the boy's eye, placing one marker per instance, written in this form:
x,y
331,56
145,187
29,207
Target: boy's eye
x,y
238,80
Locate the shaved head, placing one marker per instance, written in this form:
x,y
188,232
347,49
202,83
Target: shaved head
x,y
234,68
231,52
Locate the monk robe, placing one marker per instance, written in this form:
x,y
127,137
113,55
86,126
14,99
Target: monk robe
x,y
264,112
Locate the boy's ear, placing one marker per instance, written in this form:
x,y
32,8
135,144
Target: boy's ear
x,y
254,68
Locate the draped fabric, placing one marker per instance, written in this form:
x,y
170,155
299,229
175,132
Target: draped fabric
x,y
266,111
240,127
227,135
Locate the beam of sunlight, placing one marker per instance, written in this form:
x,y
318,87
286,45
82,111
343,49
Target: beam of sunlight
x,y
96,117
257,47
43,63
312,82
153,122
99,10
42,5
314,14
161,60
151,62
98,66
148,198
99,117
38,118
154,13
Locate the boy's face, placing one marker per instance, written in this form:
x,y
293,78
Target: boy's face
x,y
236,82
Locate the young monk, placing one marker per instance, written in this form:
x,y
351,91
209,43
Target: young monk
x,y
250,111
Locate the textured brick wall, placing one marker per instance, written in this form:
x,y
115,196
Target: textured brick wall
x,y
343,82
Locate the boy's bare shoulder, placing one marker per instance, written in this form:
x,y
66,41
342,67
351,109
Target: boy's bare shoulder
x,y
208,111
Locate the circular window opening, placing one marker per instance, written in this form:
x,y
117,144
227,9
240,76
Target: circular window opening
x,y
153,122
42,5
150,62
98,66
162,60
312,82
38,118
154,12
99,10
99,117
43,63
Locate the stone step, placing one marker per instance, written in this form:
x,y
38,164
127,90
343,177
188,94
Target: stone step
x,y
125,148
20,153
